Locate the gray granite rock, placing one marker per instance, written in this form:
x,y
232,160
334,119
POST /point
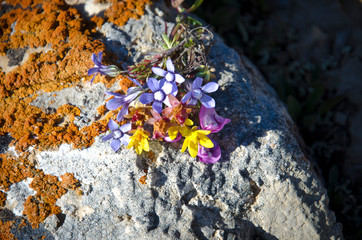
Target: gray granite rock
x,y
263,187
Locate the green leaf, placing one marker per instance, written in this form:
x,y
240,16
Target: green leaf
x,y
166,40
193,21
164,46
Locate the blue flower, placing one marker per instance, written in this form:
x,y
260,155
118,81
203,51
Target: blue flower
x,y
170,75
111,70
118,134
160,89
197,92
123,101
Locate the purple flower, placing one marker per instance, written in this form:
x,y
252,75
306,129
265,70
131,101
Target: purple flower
x,y
111,70
117,134
170,75
160,89
123,100
209,155
197,92
210,120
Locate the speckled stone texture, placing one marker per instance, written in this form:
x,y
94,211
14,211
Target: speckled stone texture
x,y
263,187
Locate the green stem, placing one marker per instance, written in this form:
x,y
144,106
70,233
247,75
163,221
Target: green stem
x,y
195,6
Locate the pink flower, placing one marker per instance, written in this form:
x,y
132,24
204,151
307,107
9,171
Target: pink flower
x,y
160,125
178,111
210,120
209,155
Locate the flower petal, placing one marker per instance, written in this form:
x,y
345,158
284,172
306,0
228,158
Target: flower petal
x,y
210,155
157,106
172,132
145,145
91,81
112,125
100,55
207,101
204,132
135,81
174,89
210,87
197,83
125,139
123,112
159,71
169,65
189,122
115,144
168,87
193,101
153,84
176,139
185,144
156,115
126,127
167,101
114,94
173,100
179,78
107,137
114,103
186,97
206,142
92,71
146,98
94,58
130,97
193,149
210,120
170,77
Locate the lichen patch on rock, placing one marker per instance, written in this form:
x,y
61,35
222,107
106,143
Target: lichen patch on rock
x,y
55,54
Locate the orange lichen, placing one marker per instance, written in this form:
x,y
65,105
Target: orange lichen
x,y
124,83
101,110
69,182
59,29
143,179
5,230
98,21
15,169
22,224
2,199
49,189
121,11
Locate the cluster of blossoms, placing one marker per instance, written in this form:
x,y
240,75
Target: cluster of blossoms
x,y
167,105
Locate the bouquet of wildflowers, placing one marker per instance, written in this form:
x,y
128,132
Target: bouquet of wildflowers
x,y
170,100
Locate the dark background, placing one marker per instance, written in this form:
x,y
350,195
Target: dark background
x,y
311,53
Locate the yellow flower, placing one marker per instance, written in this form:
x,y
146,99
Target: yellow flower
x,y
175,128
139,140
193,137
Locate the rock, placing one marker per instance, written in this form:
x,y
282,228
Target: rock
x,y
263,187
17,196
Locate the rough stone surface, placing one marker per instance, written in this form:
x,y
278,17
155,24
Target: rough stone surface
x,y
87,98
17,196
263,187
